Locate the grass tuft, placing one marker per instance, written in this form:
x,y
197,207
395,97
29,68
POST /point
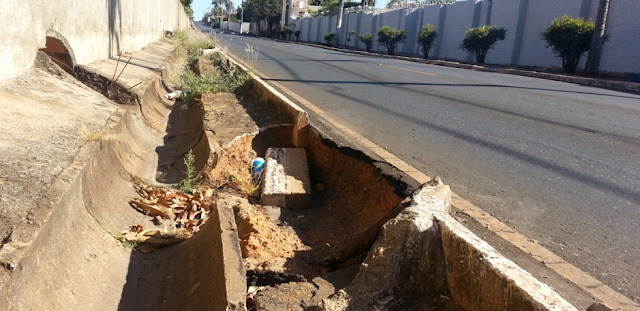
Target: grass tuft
x,y
243,181
98,135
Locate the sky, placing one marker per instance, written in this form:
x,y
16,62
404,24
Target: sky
x,y
200,7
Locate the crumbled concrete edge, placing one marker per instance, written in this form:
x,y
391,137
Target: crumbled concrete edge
x,y
602,83
486,280
424,252
234,271
405,261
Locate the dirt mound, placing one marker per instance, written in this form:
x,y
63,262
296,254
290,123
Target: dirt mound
x,y
266,242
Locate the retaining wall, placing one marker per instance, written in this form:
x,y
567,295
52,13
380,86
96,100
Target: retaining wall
x,y
91,30
524,20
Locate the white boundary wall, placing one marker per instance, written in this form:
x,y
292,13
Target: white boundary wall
x,y
93,30
524,20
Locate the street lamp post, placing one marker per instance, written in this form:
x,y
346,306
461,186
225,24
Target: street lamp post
x,y
241,15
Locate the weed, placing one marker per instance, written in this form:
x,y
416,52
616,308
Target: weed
x,y
98,135
219,81
191,43
244,182
188,184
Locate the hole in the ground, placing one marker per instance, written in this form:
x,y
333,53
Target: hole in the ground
x,y
59,54
322,246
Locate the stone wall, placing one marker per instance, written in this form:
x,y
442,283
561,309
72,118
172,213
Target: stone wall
x,y
524,20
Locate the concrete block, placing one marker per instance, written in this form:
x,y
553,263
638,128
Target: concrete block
x,y
286,178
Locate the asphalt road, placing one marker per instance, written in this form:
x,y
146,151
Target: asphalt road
x,y
558,162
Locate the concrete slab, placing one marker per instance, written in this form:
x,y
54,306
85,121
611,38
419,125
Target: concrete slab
x,y
286,178
43,127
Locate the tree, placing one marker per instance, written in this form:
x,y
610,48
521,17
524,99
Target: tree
x,y
367,40
390,37
599,36
257,10
569,38
481,39
426,36
186,4
297,34
340,11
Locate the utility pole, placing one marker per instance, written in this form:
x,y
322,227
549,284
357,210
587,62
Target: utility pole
x,y
284,13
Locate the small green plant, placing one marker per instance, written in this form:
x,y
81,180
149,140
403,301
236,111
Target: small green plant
x,y
426,36
390,38
188,184
288,33
349,34
329,38
297,34
569,38
481,39
367,40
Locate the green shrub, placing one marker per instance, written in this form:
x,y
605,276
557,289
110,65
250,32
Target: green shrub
x,y
286,33
349,34
390,37
482,39
569,38
329,38
367,40
297,34
426,36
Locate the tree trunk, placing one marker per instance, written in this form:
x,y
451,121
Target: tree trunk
x,y
593,58
340,9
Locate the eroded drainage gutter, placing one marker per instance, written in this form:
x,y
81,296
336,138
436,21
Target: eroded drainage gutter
x,y
374,240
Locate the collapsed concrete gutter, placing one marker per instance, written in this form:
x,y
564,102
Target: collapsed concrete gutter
x,y
425,251
421,257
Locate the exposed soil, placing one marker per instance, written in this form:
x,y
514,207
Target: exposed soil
x,y
323,244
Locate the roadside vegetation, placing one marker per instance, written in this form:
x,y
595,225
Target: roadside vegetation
x,y
569,38
330,38
367,41
390,38
224,78
480,40
426,37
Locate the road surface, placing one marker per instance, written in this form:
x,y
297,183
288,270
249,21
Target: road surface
x,y
558,162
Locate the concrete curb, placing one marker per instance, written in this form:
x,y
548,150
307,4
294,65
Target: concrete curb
x,y
595,82
425,255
